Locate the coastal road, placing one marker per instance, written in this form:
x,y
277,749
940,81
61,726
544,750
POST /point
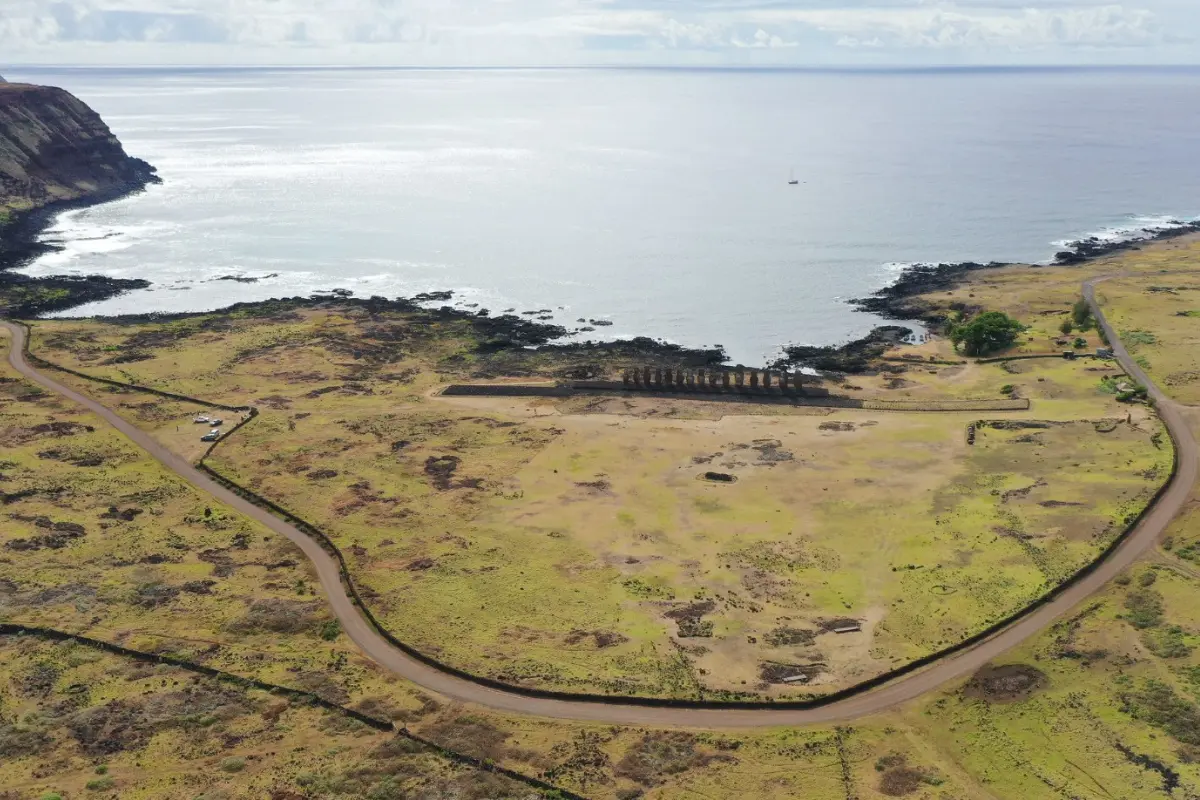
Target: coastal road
x,y
629,711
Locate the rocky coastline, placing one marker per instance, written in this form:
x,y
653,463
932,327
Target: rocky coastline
x,y
901,301
56,154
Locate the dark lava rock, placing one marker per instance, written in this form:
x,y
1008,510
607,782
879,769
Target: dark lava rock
x,y
853,357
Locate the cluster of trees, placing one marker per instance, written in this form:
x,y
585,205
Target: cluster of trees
x,y
987,333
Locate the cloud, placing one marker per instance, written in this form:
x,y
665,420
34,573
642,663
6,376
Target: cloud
x,y
583,31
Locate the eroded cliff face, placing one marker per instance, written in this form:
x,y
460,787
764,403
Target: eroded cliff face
x,y
54,148
55,153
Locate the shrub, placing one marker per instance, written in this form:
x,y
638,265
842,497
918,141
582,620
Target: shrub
x,y
102,769
987,333
1080,342
1081,315
1066,327
1158,705
1145,608
1167,642
100,784
330,630
1007,388
233,764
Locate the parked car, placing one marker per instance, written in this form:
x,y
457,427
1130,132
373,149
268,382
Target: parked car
x,y
211,436
201,420
215,422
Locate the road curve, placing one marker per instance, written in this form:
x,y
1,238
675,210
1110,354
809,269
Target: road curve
x,y
630,711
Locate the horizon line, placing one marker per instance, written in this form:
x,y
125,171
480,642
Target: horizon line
x,y
932,67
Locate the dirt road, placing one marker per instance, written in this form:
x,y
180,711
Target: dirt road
x,y
631,711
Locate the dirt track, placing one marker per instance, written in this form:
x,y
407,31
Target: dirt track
x,y
630,711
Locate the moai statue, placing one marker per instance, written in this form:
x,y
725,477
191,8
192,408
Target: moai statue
x,y
712,379
701,378
625,379
658,377
767,379
679,378
646,377
753,379
783,381
740,378
670,380
691,379
725,379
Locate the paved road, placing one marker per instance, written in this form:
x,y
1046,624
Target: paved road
x,y
629,712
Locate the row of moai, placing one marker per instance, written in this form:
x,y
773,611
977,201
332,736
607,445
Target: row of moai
x,y
724,380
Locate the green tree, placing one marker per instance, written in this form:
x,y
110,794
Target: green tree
x,y
1081,313
987,333
1066,327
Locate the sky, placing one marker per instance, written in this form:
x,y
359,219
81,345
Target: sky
x,y
600,32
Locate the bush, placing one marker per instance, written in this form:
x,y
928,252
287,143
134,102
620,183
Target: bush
x,y
330,630
1007,388
1080,342
1167,642
100,784
1145,608
1158,705
987,333
1066,327
233,764
1081,315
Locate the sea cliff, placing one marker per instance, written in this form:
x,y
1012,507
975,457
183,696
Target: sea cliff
x,y
56,153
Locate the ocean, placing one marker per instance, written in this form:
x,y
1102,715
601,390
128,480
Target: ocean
x,y
655,200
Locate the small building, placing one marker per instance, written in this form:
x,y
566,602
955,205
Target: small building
x,y
1104,352
1069,355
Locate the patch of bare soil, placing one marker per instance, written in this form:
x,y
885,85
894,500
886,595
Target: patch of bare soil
x,y
275,402
1013,494
601,639
323,686
441,469
121,725
277,616
45,430
18,742
665,753
770,451
471,735
689,619
154,595
1005,684
58,536
897,778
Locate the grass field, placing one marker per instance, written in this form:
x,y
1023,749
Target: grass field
x,y
1104,705
571,544
97,539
